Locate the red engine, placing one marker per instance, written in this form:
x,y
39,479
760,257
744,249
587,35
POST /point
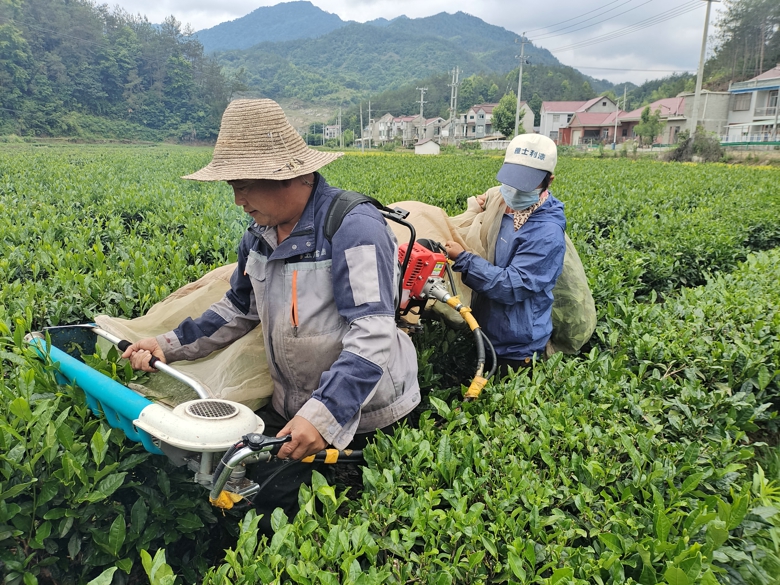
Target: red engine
x,y
423,265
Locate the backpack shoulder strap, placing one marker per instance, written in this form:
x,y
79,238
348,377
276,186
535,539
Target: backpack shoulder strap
x,y
341,205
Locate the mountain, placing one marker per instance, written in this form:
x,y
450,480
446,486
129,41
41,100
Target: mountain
x,y
357,59
283,22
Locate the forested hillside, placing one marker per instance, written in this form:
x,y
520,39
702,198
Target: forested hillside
x,y
358,59
747,41
76,69
283,22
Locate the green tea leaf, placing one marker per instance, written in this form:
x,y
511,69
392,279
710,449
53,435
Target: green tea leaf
x,y
676,576
516,564
105,578
116,535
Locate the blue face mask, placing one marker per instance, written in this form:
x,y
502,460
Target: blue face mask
x,y
518,200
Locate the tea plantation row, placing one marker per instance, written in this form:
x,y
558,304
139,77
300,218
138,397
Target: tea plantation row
x,y
635,461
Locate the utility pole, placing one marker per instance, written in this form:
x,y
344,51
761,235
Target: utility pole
x,y
617,111
370,126
695,117
453,103
520,83
362,147
422,91
341,134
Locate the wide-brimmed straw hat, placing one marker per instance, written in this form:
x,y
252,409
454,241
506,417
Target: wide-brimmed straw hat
x,y
257,142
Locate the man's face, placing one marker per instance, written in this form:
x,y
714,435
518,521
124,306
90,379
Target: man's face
x,y
266,201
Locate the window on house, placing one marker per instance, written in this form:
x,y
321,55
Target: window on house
x,y
471,117
741,102
554,135
568,118
771,101
625,132
603,103
482,116
556,118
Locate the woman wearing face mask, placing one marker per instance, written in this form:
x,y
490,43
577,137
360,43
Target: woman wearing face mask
x,y
512,286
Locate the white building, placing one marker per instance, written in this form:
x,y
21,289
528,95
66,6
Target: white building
x,y
427,146
332,131
478,121
753,115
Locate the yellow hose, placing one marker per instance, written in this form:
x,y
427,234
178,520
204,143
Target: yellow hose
x,y
464,311
475,389
478,383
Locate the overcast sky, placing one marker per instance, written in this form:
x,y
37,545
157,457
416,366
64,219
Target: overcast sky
x,y
619,40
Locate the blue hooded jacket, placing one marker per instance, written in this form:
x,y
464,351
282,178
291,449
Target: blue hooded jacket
x,y
513,298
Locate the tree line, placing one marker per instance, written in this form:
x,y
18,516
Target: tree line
x,y
69,67
747,41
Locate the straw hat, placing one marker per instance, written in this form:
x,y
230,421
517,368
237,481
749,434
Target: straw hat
x,y
257,142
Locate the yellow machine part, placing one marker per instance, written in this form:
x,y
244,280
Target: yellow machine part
x,y
226,500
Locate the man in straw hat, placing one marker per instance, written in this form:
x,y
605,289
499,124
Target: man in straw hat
x,y
525,246
341,369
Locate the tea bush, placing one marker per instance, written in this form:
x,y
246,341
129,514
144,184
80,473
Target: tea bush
x,y
610,468
75,496
633,462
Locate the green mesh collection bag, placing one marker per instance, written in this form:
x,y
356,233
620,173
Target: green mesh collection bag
x,y
573,311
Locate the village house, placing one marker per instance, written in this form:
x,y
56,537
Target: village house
x,y
677,112
672,113
432,129
591,128
557,115
332,131
427,146
753,114
477,122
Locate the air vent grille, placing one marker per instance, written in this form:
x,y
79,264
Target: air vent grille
x,y
212,409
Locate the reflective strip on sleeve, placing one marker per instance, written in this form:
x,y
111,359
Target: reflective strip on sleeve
x,y
363,274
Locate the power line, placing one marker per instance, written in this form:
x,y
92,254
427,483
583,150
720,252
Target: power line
x,y
621,32
574,18
624,69
643,24
556,33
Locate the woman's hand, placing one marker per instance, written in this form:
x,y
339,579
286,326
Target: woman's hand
x,y
454,249
481,201
141,352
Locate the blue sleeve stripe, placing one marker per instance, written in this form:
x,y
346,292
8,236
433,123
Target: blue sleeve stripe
x,y
189,331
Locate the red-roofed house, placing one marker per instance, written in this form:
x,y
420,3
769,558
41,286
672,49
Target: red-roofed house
x,y
557,115
754,110
590,127
677,112
672,113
